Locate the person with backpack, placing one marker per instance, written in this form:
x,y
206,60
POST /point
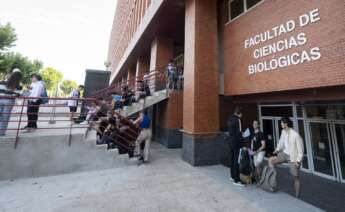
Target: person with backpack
x,y
34,101
7,98
144,122
290,149
73,103
235,138
258,145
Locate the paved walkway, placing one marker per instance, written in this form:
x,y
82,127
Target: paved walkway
x,y
166,184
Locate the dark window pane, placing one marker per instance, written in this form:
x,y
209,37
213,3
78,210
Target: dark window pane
x,y
320,141
299,111
268,130
326,111
285,111
236,8
251,3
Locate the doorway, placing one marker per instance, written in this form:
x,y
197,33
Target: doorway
x,y
328,149
270,116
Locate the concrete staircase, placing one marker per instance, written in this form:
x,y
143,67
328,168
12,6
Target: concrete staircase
x,y
47,152
156,97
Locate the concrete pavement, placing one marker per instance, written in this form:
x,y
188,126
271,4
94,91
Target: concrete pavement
x,y
166,184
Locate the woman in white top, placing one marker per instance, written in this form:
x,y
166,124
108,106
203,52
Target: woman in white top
x,y
7,98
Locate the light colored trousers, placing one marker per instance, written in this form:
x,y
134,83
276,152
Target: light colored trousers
x,y
6,106
145,135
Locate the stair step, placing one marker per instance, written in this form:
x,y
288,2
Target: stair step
x,y
101,146
114,150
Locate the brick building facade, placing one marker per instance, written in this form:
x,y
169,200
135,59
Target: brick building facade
x,y
274,57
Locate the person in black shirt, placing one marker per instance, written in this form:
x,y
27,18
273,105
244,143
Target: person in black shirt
x,y
235,137
258,148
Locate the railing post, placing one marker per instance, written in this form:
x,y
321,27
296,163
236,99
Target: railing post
x,y
52,118
19,122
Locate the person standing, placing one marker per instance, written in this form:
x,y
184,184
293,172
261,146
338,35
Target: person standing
x,y
171,75
73,102
144,122
290,149
235,137
34,101
180,79
7,98
258,146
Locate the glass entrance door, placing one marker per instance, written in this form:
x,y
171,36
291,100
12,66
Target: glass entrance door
x,y
328,149
321,144
339,137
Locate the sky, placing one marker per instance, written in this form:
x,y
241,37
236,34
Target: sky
x,y
69,35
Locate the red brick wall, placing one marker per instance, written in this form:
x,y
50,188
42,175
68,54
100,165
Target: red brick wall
x,y
128,16
170,113
328,34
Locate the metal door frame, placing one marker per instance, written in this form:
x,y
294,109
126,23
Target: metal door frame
x,y
332,124
331,147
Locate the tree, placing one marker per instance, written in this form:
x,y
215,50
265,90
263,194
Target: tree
x,y
10,60
7,37
52,78
67,86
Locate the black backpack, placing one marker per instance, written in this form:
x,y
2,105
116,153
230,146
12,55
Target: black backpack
x,y
244,163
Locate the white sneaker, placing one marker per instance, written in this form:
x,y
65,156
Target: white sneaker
x,y
231,180
84,122
239,183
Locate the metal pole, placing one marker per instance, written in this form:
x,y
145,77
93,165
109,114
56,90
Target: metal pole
x,y
19,122
52,119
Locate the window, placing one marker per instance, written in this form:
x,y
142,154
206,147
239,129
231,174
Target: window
x,y
279,111
252,3
238,7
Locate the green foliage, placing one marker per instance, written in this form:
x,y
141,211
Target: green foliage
x,y
67,86
9,61
52,78
7,36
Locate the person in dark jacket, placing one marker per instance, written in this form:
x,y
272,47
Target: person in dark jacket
x,y
235,137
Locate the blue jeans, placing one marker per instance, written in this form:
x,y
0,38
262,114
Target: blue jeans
x,y
6,106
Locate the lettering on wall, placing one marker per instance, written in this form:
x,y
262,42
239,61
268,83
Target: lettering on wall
x,y
281,45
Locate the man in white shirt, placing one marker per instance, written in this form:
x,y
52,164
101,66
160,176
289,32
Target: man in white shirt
x,y
36,90
290,149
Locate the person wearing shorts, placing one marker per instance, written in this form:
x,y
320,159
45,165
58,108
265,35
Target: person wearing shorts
x,y
290,149
285,158
73,109
73,102
258,145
